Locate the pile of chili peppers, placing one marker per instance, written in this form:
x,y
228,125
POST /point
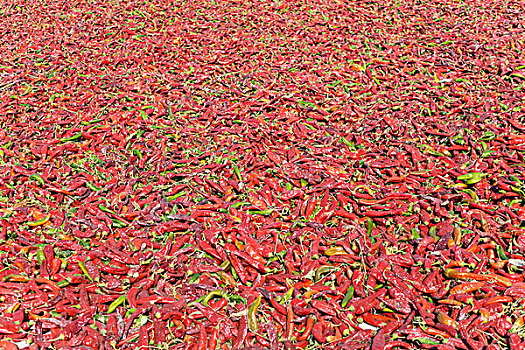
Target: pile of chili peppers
x,y
262,174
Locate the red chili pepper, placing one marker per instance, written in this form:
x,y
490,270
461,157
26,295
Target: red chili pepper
x,y
498,299
241,334
379,341
308,329
129,338
317,332
251,261
466,288
369,302
323,307
214,337
289,322
131,297
211,315
239,269
203,338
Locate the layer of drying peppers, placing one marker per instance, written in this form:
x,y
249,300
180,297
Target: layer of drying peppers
x,y
262,174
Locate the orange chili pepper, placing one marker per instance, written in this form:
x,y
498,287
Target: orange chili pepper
x,y
454,263
434,331
39,222
485,314
446,320
450,302
457,235
520,321
498,264
15,278
466,288
499,280
498,299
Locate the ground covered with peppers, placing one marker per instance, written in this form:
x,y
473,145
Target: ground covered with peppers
x,y
262,175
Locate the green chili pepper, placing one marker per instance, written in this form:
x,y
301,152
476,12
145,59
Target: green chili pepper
x,y
237,172
63,283
198,300
83,268
488,136
214,293
85,122
346,142
92,187
470,176
262,212
117,223
518,191
72,138
237,298
40,256
324,269
475,179
348,296
308,125
238,204
180,194
225,265
39,222
137,153
64,263
234,273
432,233
119,301
287,296
433,152
472,194
252,314
369,227
94,127
37,178
501,253
458,139
107,210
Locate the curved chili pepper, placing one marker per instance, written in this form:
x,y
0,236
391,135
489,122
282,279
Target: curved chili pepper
x,y
241,334
252,314
131,337
317,332
308,329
